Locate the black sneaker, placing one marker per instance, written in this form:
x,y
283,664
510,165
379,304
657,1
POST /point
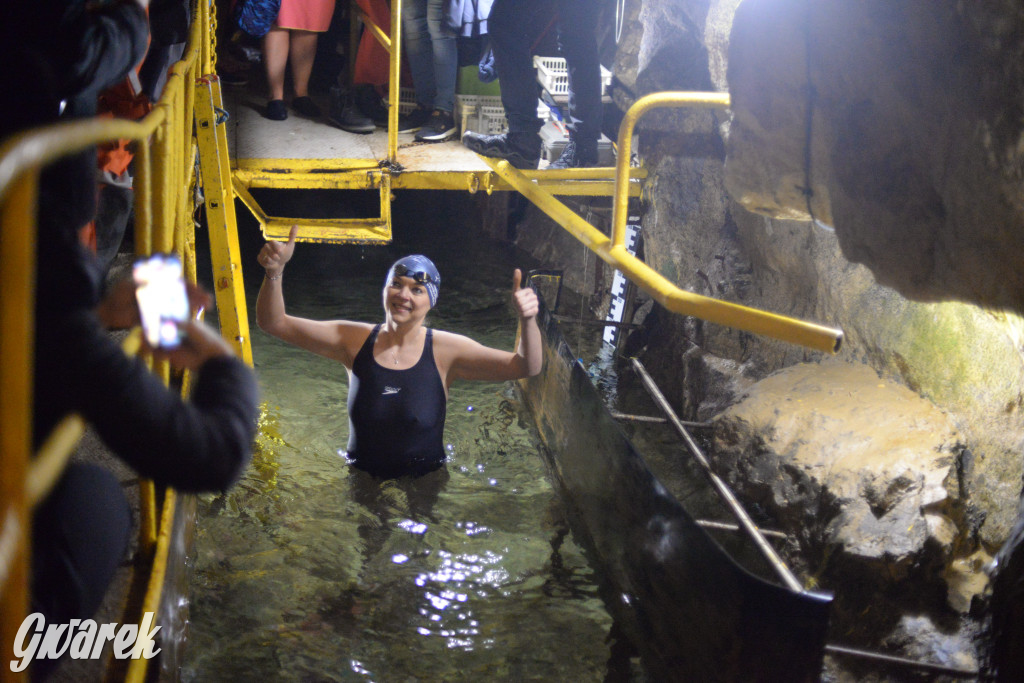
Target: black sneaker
x,y
577,154
414,120
371,104
521,149
438,128
306,106
346,115
276,110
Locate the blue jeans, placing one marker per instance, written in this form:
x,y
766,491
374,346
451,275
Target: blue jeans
x,y
514,26
432,53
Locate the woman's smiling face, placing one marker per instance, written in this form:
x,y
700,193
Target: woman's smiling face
x,y
406,300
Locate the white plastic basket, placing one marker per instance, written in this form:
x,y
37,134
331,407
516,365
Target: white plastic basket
x,y
469,112
406,100
491,120
553,74
485,114
553,141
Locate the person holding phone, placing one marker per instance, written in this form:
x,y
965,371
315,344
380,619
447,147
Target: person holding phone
x,y
399,369
82,528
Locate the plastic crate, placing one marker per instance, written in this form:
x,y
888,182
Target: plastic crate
x,y
485,114
406,101
554,75
553,141
469,111
491,120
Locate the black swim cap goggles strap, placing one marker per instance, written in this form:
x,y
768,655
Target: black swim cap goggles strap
x,y
419,276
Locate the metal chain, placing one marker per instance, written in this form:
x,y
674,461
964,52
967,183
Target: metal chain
x,y
213,33
417,143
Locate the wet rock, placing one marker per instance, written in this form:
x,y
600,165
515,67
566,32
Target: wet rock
x,y
863,473
921,639
912,147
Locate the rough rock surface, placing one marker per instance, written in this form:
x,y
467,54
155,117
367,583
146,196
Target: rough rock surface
x,y
912,147
915,179
966,359
863,473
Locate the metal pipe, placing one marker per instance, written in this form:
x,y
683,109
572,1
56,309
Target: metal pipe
x,y
17,333
725,526
394,75
741,515
375,30
950,671
698,100
661,420
637,418
661,290
137,666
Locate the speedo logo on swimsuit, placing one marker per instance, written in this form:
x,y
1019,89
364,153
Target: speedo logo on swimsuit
x,y
390,390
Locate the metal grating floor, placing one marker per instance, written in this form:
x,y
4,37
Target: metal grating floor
x,y
253,137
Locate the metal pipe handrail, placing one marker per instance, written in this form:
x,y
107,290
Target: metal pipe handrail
x,y
723,489
660,289
377,32
757,535
394,75
696,100
21,157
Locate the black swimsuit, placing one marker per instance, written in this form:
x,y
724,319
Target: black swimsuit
x,y
396,417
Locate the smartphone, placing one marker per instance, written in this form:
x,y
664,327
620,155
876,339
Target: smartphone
x,y
163,301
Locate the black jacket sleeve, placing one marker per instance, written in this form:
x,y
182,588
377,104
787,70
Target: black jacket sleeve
x,y
203,444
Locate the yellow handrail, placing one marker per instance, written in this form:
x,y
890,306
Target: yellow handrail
x,y
696,100
164,171
660,289
17,261
394,75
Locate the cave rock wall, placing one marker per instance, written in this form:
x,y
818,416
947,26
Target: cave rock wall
x,y
914,185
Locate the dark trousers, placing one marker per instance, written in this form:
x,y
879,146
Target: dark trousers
x,y
80,534
514,27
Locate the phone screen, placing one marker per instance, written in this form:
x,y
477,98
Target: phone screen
x,y
163,302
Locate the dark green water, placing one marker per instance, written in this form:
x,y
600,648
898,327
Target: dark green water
x,y
306,573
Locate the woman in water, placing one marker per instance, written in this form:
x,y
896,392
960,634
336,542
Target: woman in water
x,y
399,370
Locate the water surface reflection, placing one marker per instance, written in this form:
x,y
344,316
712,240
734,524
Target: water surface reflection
x,y
311,571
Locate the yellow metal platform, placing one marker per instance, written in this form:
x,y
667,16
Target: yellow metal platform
x,y
256,142
304,153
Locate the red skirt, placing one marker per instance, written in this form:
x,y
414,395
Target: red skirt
x,y
305,15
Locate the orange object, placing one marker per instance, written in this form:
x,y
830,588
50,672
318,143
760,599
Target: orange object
x,y
124,101
87,236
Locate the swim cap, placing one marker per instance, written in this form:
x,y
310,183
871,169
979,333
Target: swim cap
x,y
422,270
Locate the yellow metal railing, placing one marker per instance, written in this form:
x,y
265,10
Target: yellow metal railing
x,y
387,174
613,250
164,173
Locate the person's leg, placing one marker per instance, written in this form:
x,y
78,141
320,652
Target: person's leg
x,y
514,26
80,534
440,125
302,54
275,59
577,39
372,60
418,50
445,55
